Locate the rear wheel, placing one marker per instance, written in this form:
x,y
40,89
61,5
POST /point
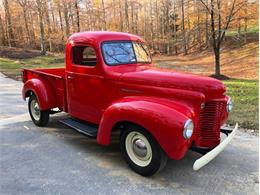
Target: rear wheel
x,y
141,152
39,117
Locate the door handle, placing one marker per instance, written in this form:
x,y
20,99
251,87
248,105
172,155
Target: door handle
x,y
70,77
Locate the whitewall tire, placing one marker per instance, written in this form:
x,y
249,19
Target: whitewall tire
x,y
38,116
141,151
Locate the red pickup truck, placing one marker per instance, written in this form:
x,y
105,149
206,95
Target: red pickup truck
x,y
110,84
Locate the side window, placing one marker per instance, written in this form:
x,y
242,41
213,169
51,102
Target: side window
x,y
84,56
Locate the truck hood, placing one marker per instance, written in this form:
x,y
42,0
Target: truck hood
x,y
170,79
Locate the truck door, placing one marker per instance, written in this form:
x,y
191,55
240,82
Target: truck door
x,y
85,84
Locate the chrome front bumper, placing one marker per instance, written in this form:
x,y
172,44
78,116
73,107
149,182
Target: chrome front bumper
x,y
201,162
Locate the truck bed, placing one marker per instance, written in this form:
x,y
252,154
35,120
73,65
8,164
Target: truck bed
x,y
55,79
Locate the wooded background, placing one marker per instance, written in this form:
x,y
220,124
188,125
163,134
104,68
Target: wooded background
x,y
169,26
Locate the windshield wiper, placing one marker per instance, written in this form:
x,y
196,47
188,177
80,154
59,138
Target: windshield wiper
x,y
114,58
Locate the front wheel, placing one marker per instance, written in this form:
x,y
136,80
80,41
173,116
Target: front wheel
x,y
141,152
39,117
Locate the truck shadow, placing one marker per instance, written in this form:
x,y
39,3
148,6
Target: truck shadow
x,y
109,157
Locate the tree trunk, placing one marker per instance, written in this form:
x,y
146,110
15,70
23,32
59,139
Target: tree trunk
x,y
245,31
217,61
66,17
239,30
77,14
175,29
104,15
121,17
132,17
206,28
39,8
189,26
24,6
245,25
49,26
2,33
61,22
92,19
215,45
126,16
136,21
54,22
11,40
32,27
168,47
114,8
199,30
157,20
183,29
151,25
26,26
145,22
71,17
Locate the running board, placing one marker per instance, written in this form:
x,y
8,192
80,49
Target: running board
x,y
80,126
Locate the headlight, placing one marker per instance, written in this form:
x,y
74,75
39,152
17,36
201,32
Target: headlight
x,y
229,105
188,129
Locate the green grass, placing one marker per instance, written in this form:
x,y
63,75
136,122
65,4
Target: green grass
x,y
13,67
244,94
250,29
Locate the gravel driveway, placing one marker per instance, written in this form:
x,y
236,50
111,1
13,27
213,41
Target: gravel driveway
x,y
58,160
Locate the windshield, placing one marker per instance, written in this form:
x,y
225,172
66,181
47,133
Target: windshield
x,y
125,52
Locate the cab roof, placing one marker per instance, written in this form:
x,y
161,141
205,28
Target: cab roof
x,y
97,37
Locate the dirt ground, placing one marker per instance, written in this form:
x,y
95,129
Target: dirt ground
x,y
240,63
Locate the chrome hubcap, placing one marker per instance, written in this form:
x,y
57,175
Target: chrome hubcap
x,y
35,109
139,148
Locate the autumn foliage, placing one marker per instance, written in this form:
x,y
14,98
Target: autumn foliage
x,y
170,26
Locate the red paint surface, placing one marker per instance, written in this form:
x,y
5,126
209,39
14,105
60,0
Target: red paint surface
x,y
160,101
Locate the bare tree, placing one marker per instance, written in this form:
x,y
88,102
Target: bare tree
x,y
219,27
54,22
126,16
198,27
175,27
206,26
77,15
48,24
121,16
11,41
40,5
167,28
2,32
132,16
60,20
151,25
24,5
66,17
104,15
184,46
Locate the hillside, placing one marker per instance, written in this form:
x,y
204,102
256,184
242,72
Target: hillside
x,y
240,62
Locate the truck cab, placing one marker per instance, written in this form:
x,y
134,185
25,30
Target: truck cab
x,y
109,83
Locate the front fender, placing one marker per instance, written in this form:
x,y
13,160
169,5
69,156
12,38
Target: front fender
x,y
163,120
43,91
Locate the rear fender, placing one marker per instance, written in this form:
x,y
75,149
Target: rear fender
x,y
165,122
43,91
